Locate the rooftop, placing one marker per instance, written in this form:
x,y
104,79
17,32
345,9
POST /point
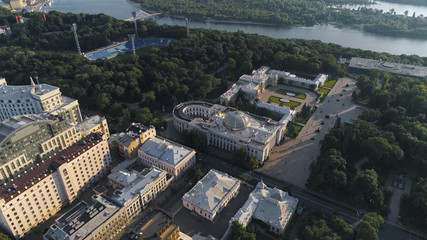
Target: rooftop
x,y
11,125
25,91
157,222
82,219
259,130
48,166
89,123
270,205
398,68
137,129
143,182
166,150
211,190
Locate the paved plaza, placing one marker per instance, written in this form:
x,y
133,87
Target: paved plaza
x,y
290,162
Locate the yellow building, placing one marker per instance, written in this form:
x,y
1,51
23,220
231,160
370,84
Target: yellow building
x,y
35,196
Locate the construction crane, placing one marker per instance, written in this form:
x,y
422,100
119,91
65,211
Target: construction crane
x,y
77,39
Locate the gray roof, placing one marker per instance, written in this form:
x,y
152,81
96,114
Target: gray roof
x,y
25,91
142,183
165,150
89,123
236,121
209,192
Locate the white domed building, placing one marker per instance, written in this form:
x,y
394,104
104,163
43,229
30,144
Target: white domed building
x,y
230,129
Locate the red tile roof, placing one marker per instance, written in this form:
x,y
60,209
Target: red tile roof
x,y
44,169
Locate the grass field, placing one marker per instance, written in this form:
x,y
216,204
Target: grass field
x,y
325,91
289,104
297,130
330,83
297,94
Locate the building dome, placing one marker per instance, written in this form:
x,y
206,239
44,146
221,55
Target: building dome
x,y
236,121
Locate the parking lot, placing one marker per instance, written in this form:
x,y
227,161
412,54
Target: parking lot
x,y
191,223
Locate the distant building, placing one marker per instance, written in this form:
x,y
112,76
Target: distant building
x,y
129,142
3,81
172,157
35,99
17,4
229,129
102,221
24,139
364,65
269,205
211,194
136,189
35,196
160,227
252,85
93,124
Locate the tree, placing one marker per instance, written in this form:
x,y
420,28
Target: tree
x,y
143,115
367,182
253,161
239,155
4,236
291,129
238,232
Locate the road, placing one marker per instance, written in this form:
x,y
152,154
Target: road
x,y
349,213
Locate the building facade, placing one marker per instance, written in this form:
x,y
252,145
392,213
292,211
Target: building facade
x,y
229,129
38,194
129,142
139,188
167,155
26,139
269,205
35,99
211,194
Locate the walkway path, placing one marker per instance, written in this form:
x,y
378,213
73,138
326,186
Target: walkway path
x,y
398,191
290,162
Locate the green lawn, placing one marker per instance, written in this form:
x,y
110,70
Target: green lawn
x,y
297,130
289,104
297,94
330,83
325,91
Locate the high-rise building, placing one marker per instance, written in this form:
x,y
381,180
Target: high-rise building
x,y
38,194
35,99
25,140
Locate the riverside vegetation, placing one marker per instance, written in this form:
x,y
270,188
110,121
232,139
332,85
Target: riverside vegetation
x,y
393,135
295,12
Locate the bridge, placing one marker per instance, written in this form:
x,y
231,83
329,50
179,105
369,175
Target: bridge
x,y
142,15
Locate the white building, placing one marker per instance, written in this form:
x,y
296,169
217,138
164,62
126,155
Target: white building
x,y
170,156
211,194
37,98
136,189
101,221
269,205
35,196
293,79
229,129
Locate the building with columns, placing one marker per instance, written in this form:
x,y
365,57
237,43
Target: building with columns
x,y
35,99
229,129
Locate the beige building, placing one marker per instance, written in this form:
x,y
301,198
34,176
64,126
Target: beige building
x,y
17,4
93,124
211,194
24,140
37,195
167,155
35,99
136,189
129,142
101,221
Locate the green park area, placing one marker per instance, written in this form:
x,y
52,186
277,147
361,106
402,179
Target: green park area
x,y
289,104
330,83
297,94
293,130
324,92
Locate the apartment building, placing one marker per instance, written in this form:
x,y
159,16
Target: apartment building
x,y
93,124
25,140
35,99
38,194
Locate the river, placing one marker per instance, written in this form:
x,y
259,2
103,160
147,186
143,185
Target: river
x,y
344,36
398,8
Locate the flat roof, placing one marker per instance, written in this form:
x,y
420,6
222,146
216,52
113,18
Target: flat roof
x,y
89,123
397,68
209,192
166,150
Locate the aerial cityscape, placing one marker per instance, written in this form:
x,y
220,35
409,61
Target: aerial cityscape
x,y
198,119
